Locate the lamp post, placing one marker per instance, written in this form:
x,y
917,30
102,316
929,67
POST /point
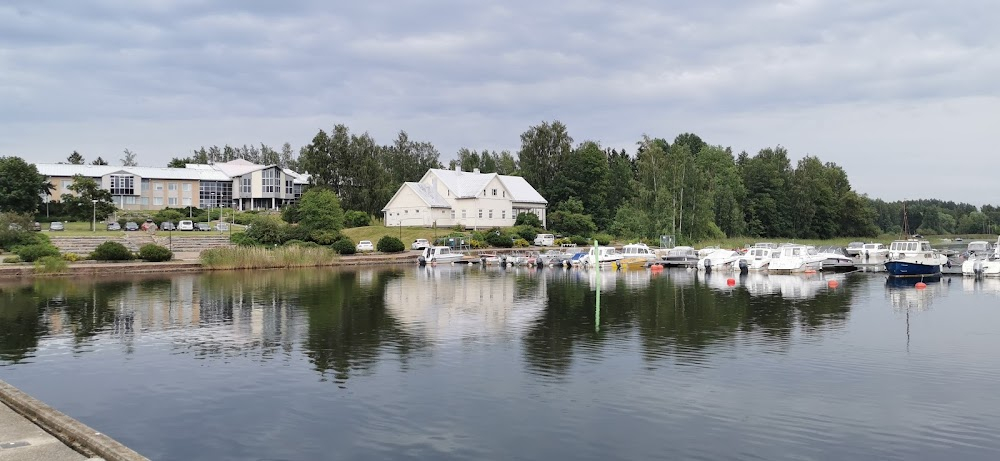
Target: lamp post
x,y
211,204
94,224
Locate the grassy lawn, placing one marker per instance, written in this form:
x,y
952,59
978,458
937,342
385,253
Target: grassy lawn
x,y
83,229
409,234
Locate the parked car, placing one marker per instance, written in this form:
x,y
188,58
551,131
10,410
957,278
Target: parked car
x,y
36,226
420,244
202,227
148,225
222,226
544,240
56,226
185,225
131,226
167,226
114,226
365,245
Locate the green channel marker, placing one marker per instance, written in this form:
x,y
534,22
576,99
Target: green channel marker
x,y
597,267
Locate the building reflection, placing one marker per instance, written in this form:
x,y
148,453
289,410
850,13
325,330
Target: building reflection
x,y
453,303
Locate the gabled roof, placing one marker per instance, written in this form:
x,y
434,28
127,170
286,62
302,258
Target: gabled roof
x,y
97,171
239,167
521,191
423,191
464,184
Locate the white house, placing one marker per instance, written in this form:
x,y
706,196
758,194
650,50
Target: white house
x,y
446,198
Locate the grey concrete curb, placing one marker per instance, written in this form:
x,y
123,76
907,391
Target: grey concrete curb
x,y
68,430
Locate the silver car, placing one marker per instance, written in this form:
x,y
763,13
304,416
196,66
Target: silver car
x,y
56,226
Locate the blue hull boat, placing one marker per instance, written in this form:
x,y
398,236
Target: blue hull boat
x,y
909,269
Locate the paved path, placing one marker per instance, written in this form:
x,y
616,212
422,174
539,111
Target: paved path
x,y
22,440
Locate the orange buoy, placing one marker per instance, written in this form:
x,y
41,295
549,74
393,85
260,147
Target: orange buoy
x,y
832,284
920,285
731,282
810,271
656,268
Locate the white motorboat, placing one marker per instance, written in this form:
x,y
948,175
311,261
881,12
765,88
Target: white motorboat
x,y
601,255
982,263
636,254
836,260
756,258
680,257
854,249
873,252
796,258
718,260
438,255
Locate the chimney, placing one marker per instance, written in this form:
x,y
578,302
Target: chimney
x,y
475,170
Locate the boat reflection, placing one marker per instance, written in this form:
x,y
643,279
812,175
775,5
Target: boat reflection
x,y
905,296
788,286
987,285
451,304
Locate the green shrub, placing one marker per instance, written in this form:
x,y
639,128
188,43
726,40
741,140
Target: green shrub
x,y
242,239
344,246
155,253
324,237
30,253
71,257
295,232
499,239
528,219
526,232
521,243
11,260
579,241
390,244
112,251
268,230
357,219
603,239
50,265
477,244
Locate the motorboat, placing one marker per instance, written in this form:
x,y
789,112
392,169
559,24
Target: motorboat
x,y
980,248
718,260
914,258
873,252
795,259
982,263
756,258
438,255
680,257
707,251
602,255
837,260
854,249
637,254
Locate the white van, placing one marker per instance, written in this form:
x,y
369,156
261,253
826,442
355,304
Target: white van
x,y
544,240
185,225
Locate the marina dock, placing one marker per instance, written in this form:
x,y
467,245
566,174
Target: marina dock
x,y
32,430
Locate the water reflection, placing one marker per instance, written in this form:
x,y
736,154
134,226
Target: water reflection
x,y
989,285
904,296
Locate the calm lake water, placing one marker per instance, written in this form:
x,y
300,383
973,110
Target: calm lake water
x,y
472,363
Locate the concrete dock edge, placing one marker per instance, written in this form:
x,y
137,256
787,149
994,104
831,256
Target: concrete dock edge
x,y
68,430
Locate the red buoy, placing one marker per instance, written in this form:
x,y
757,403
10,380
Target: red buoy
x,y
920,285
832,284
656,268
731,282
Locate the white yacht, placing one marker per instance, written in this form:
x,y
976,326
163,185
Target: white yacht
x,y
603,255
438,255
636,254
982,263
718,260
796,258
873,252
680,257
757,258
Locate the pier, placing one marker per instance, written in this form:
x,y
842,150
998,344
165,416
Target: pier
x,y
32,430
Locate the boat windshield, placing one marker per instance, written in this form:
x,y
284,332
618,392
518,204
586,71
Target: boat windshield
x,y
924,246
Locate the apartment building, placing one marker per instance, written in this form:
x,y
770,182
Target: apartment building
x,y
238,183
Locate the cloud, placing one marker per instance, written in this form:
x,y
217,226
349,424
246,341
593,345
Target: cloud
x,y
747,74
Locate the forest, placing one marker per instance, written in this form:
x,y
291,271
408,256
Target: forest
x,y
685,187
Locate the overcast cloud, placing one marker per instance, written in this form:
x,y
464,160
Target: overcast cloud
x,y
902,93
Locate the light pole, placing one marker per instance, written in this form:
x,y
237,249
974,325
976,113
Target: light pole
x,y
94,228
210,205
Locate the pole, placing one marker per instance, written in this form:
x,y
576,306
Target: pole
x,y
597,306
93,227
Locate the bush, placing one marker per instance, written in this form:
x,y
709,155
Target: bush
x,y
526,232
390,244
112,251
345,246
71,257
357,219
499,239
294,232
579,241
30,253
155,253
324,237
521,243
242,239
268,230
50,265
477,244
528,219
11,260
602,239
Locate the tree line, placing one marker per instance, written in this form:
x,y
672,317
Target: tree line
x,y
685,187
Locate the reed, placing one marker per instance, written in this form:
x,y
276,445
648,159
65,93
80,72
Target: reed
x,y
265,258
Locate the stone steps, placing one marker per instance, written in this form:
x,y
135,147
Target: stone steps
x,y
132,241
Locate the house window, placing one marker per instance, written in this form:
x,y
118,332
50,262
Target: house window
x,y
494,192
66,184
452,214
463,214
158,201
172,186
158,186
122,184
504,193
417,211
145,200
130,200
172,201
503,214
145,185
491,214
186,202
481,211
288,187
270,180
246,186
187,187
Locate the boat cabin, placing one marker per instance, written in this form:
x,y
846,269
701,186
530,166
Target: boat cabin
x,y
759,253
637,250
978,247
678,252
873,247
909,246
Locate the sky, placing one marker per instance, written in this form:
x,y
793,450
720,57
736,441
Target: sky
x,y
903,94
